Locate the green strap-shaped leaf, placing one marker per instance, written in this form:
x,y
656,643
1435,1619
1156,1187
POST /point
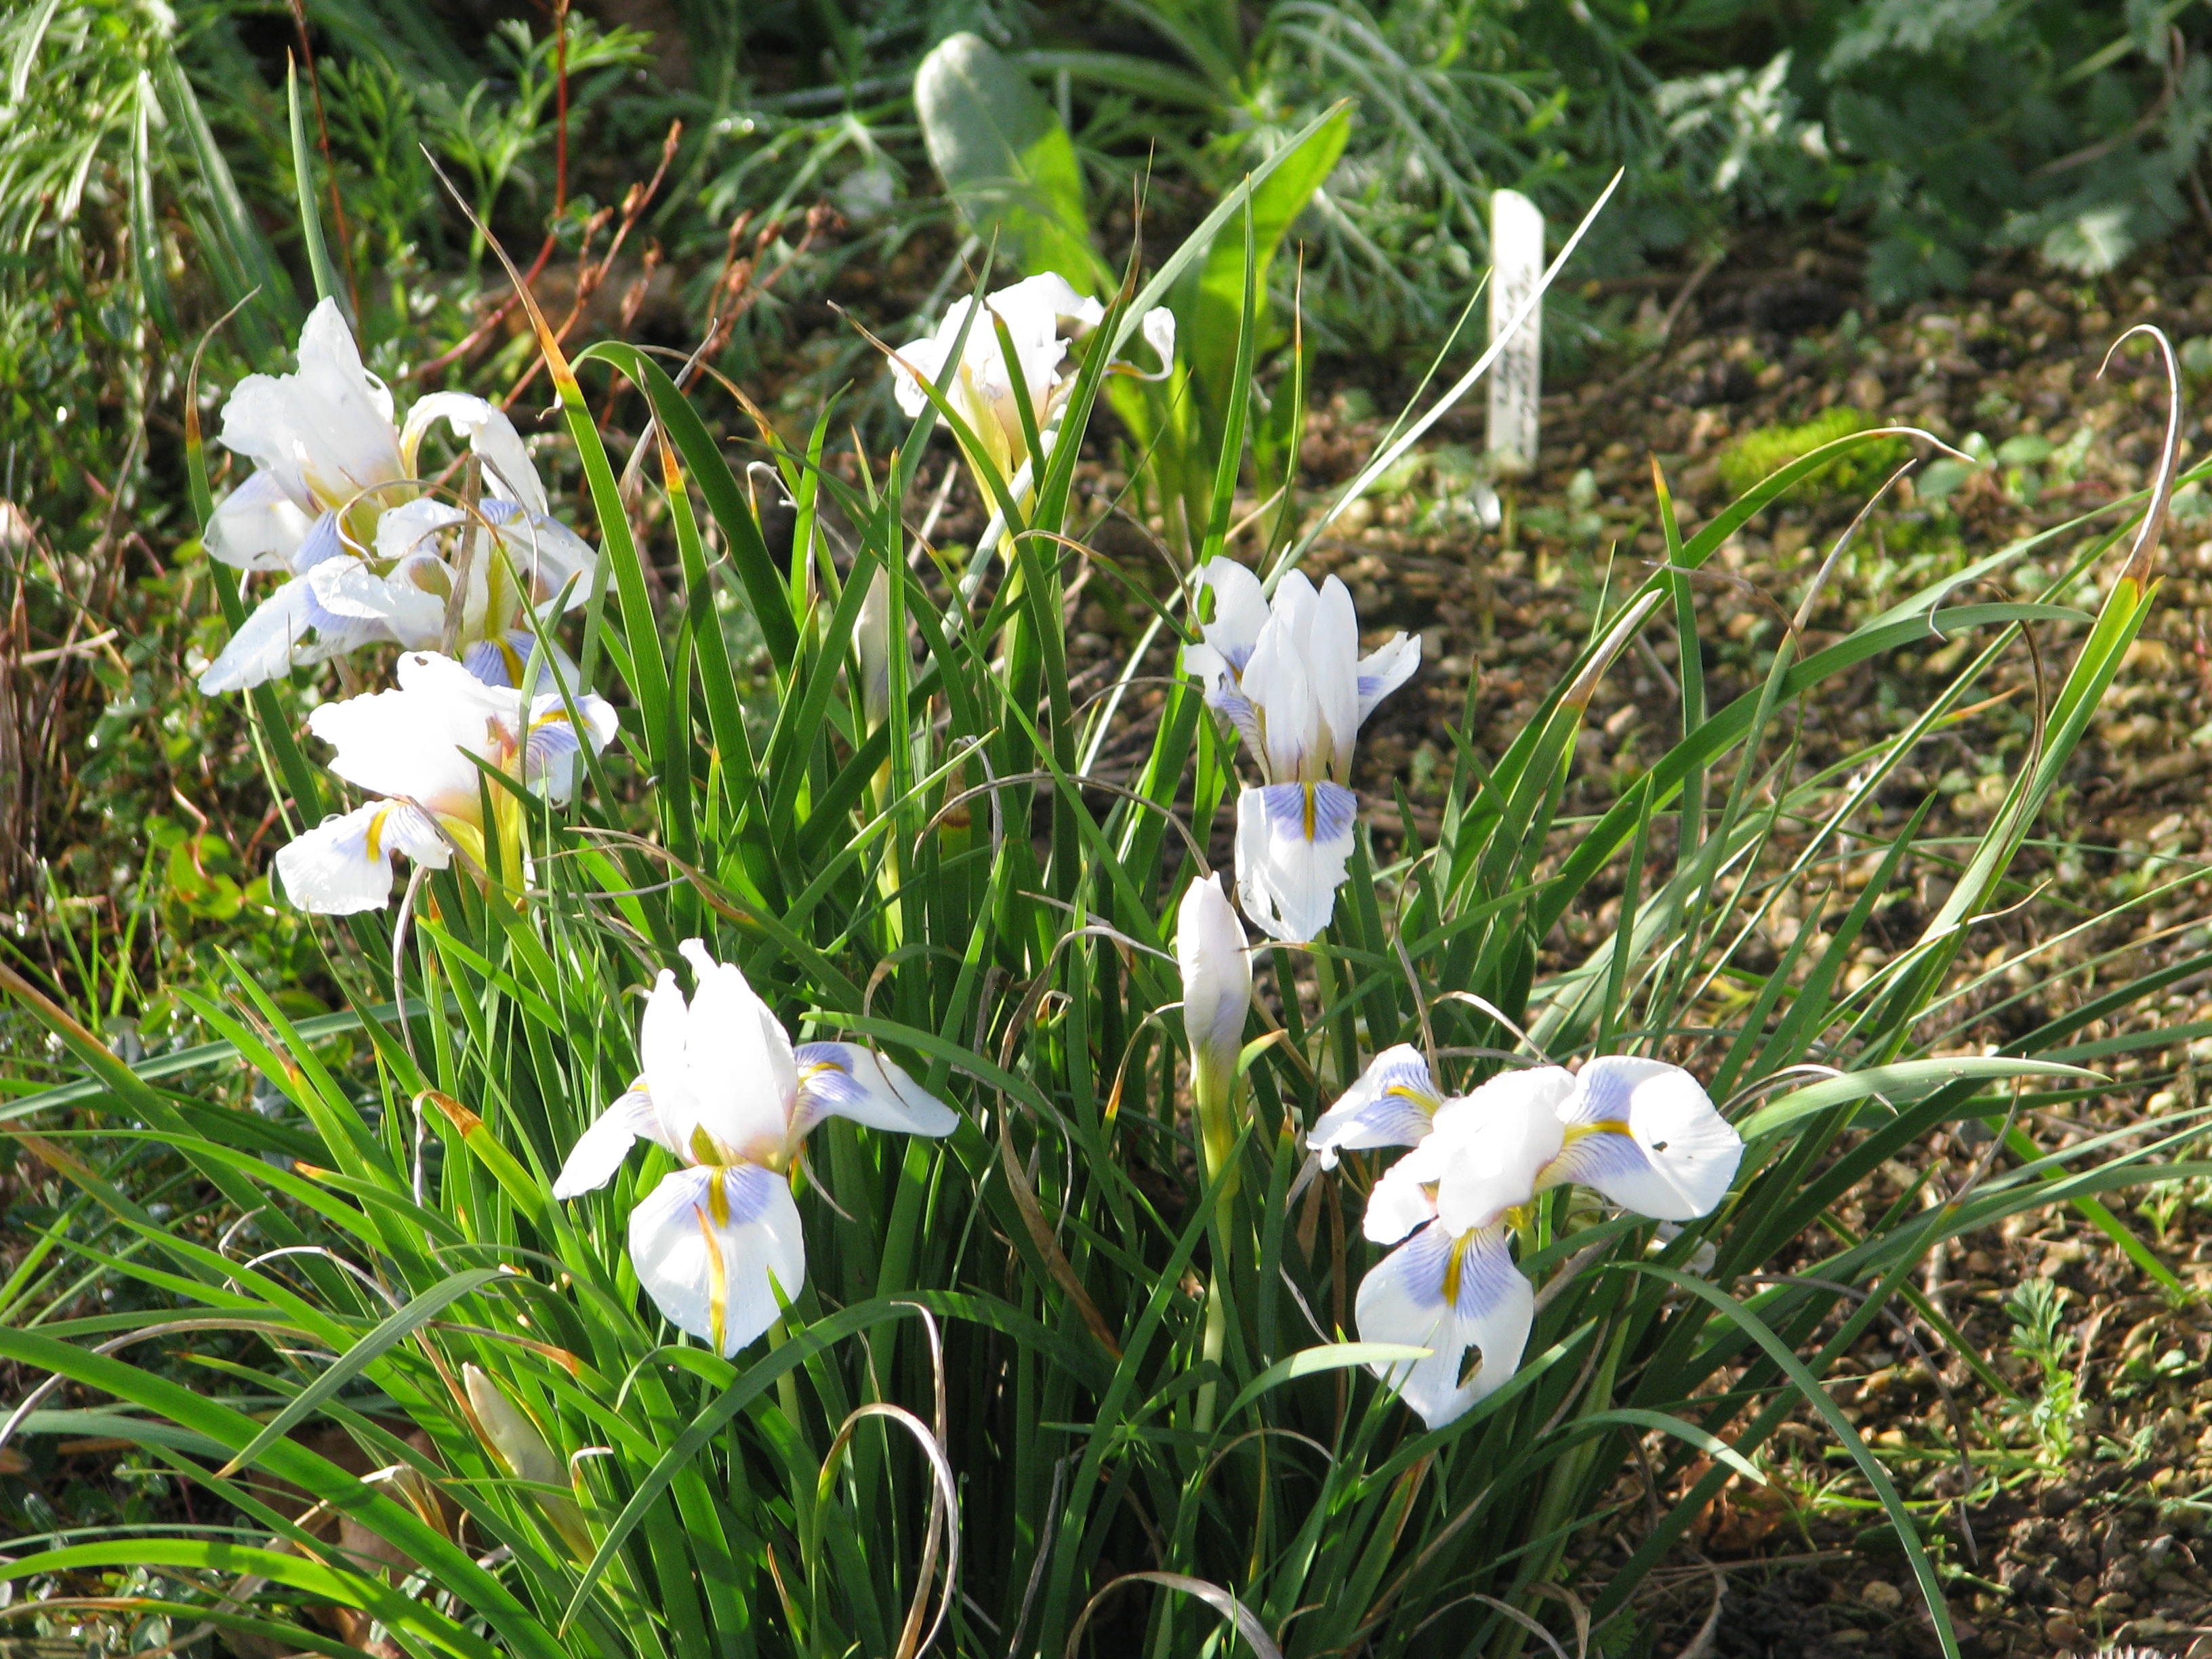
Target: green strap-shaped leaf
x,y
419,1619
303,180
102,1085
1311,1362
1907,1080
1006,159
364,1354
451,1567
799,1348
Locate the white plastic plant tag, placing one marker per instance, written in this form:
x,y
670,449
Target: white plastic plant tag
x,y
1517,265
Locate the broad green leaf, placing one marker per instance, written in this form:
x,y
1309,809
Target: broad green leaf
x,y
1210,318
1007,160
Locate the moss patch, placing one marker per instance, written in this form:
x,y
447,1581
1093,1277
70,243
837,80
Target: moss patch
x,y
1756,454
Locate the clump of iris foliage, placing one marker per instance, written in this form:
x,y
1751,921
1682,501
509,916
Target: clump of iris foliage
x,y
851,1179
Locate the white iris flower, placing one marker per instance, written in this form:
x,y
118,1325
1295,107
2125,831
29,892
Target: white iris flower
x,y
718,1241
1644,1133
335,501
418,748
1290,676
1042,314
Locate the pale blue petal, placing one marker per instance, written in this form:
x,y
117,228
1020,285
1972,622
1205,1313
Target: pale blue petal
x,y
1391,1105
1409,1299
844,1079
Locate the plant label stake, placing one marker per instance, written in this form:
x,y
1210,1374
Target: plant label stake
x,y
1517,265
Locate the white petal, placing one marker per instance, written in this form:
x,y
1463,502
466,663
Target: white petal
x,y
1401,1202
599,1150
1491,1147
744,1083
1041,304
1278,679
261,650
414,527
1332,654
509,474
344,863
1527,1092
1678,1154
1216,974
416,741
1390,1105
661,1034
331,362
1034,311
844,1079
1404,1299
551,743
1158,328
325,432
257,526
1224,647
1293,849
546,558
916,363
347,589
601,722
1383,671
712,1246
1240,611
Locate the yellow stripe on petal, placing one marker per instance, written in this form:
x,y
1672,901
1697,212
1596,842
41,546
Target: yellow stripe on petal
x,y
717,1271
1455,1263
1610,1126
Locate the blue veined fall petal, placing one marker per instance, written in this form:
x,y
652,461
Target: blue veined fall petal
x,y
718,1242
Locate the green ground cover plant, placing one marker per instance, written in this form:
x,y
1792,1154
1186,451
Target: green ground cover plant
x,y
1111,1345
